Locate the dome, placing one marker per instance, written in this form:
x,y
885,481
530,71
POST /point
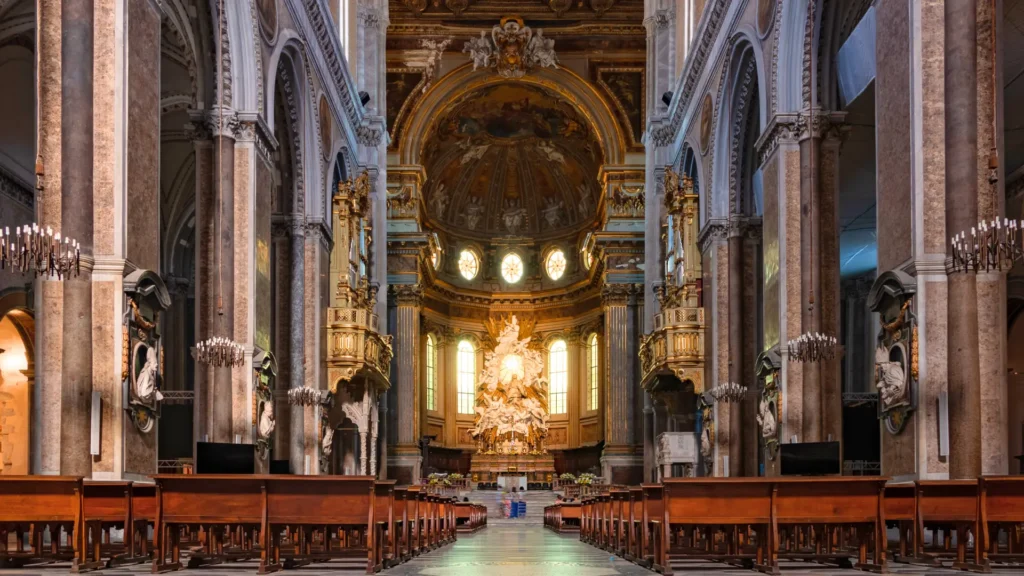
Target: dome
x,y
511,159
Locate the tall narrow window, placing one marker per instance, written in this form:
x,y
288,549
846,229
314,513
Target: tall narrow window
x,y
431,374
466,377
558,376
592,381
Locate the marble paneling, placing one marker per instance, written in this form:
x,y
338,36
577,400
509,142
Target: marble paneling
x,y
143,127
314,346
933,384
50,340
48,95
790,250
242,295
771,252
933,125
721,334
831,385
105,84
261,267
106,379
992,356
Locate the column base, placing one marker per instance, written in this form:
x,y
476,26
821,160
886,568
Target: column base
x,y
622,465
405,465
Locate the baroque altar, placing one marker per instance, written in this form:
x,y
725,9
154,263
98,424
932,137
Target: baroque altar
x,y
512,411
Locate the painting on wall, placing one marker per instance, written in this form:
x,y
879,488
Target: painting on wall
x,y
625,85
402,84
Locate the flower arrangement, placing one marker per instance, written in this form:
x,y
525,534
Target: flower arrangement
x,y
455,476
568,477
439,479
585,479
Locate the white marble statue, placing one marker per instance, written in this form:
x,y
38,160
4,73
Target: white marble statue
x,y
474,212
513,217
327,442
480,50
891,377
541,51
267,420
145,382
766,419
553,212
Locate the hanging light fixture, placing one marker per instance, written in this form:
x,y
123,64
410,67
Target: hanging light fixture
x,y
308,397
812,347
39,251
728,392
219,352
992,246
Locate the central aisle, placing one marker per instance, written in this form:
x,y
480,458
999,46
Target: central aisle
x,y
511,550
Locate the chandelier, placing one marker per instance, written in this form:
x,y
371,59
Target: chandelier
x,y
39,251
812,347
992,246
219,352
728,392
308,397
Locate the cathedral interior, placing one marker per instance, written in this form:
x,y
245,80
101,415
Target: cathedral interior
x,y
574,247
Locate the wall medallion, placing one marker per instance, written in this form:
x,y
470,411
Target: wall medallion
x,y
706,112
765,16
892,296
268,19
326,124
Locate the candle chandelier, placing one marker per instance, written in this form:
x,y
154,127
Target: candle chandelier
x,y
992,246
728,392
308,397
39,251
219,352
812,347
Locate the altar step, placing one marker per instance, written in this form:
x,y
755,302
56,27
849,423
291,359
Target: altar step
x,y
535,500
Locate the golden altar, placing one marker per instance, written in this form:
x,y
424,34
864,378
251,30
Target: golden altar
x,y
536,467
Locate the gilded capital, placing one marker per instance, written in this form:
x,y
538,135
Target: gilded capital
x,y
406,294
620,294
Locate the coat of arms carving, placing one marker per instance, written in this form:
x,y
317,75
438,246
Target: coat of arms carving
x,y
512,49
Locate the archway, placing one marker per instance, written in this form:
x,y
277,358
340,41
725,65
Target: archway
x,y
17,380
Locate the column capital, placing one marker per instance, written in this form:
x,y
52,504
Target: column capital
x,y
620,294
406,294
714,229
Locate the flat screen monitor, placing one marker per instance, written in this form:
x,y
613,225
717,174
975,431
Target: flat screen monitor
x,y
810,459
225,458
280,467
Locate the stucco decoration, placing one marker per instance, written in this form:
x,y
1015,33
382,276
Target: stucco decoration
x,y
896,358
512,403
512,48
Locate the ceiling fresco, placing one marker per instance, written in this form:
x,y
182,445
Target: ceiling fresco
x,y
511,159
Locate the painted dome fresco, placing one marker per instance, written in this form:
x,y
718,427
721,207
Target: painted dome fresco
x,y
511,159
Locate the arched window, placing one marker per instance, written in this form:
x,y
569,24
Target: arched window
x,y
466,377
593,385
558,376
431,374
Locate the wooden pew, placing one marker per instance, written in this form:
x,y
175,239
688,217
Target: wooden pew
x,y
414,531
824,508
950,506
618,499
469,517
222,506
384,518
587,519
569,517
901,513
34,504
1001,505
634,522
654,553
402,526
604,518
109,505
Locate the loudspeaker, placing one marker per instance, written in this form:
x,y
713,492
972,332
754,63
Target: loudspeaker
x,y
364,97
667,98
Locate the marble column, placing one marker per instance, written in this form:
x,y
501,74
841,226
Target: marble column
x,y
221,223
810,276
77,20
406,305
203,292
297,335
736,332
961,118
619,462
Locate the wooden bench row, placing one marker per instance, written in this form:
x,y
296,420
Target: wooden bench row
x,y
198,520
563,516
757,522
470,517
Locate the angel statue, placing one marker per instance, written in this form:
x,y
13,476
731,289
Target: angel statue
x,y
542,51
267,420
766,418
890,377
145,382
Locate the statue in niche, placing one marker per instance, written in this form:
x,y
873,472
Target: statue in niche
x,y
766,418
513,217
890,374
553,211
440,200
145,386
267,420
474,212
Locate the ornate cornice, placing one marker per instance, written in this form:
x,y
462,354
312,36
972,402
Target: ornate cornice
x,y
370,136
14,188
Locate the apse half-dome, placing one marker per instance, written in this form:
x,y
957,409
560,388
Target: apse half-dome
x,y
511,159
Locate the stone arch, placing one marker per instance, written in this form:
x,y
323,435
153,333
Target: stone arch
x,y
788,54
17,378
289,82
420,119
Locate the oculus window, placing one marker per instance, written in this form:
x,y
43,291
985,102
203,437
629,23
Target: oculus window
x,y
554,265
466,382
512,268
558,376
469,264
